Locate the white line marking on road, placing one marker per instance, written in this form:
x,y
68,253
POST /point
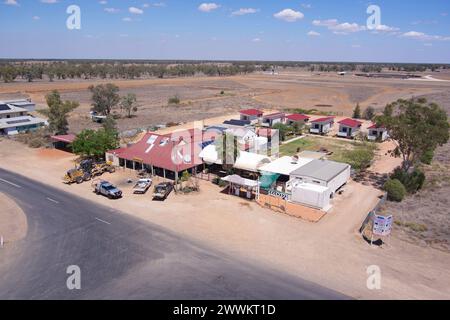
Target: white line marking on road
x,y
54,201
102,221
9,182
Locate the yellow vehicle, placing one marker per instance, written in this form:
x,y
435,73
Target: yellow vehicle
x,y
77,175
86,170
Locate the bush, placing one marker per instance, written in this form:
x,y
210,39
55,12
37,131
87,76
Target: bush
x,y
427,157
360,159
174,100
395,189
413,182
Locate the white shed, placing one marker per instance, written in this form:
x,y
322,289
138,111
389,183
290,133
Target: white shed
x,y
323,173
311,195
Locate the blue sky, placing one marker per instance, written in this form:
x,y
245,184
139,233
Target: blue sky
x,y
315,30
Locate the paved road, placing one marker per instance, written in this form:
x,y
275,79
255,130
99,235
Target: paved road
x,y
121,257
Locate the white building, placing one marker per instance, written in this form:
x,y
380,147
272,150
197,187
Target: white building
x,y
21,103
14,120
315,183
377,133
322,125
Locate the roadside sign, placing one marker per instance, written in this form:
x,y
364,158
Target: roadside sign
x,y
382,225
278,194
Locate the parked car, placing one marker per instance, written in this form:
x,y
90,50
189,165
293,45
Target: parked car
x,y
142,185
108,190
162,191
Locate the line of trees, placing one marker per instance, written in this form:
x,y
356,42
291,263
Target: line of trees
x,y
63,70
135,69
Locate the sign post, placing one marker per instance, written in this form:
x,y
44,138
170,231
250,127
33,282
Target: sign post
x,y
1,241
382,226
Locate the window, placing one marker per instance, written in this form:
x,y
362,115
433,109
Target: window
x,y
344,129
317,182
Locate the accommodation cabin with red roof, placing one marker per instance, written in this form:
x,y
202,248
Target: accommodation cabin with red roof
x,y
270,120
296,118
377,133
252,115
322,125
349,128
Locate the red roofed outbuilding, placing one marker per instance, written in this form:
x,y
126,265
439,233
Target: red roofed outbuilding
x,y
296,118
377,133
349,128
252,115
322,125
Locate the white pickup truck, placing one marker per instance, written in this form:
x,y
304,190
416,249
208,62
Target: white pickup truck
x,y
142,186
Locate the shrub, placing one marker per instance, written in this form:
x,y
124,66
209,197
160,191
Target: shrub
x,y
413,181
360,159
36,143
395,189
174,100
427,157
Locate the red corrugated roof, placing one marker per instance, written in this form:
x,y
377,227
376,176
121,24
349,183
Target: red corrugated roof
x,y
326,119
297,117
375,126
278,115
67,138
350,123
252,112
157,150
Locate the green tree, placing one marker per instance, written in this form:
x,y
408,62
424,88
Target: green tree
x,y
360,159
128,103
58,111
395,189
357,112
91,143
105,97
282,129
417,127
369,113
110,124
227,149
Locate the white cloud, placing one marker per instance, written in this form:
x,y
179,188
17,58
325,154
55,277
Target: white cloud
x,y
36,18
244,11
112,10
208,7
135,10
256,40
103,2
11,2
313,34
306,5
289,15
356,46
423,36
339,28
385,28
49,1
126,19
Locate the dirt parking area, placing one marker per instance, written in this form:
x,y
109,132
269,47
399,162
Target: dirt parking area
x,y
330,253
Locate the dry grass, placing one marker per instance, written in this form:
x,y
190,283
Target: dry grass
x,y
425,218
